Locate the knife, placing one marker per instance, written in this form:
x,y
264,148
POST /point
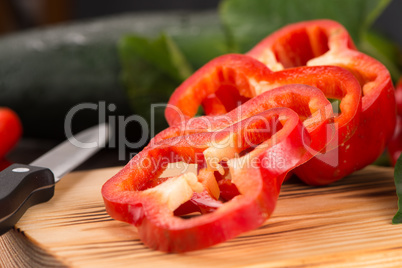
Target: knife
x,y
22,186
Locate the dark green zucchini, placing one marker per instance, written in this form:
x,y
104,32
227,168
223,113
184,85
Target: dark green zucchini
x,y
46,72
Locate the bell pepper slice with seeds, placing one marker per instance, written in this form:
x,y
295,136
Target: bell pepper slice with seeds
x,y
326,42
247,77
249,149
309,102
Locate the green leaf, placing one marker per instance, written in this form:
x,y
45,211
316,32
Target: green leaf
x,y
161,53
250,21
151,70
383,160
200,39
398,185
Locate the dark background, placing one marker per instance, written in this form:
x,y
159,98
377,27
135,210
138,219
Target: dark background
x,y
18,15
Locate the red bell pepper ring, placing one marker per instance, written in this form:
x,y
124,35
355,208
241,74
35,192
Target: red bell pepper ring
x,y
325,42
231,73
309,102
395,144
128,196
239,78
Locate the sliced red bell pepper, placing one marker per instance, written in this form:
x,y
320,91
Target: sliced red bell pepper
x,y
257,153
249,78
309,102
325,42
228,75
395,144
245,150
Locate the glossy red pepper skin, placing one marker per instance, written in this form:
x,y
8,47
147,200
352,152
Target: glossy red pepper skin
x,y
250,78
10,130
309,102
240,94
126,198
228,73
160,229
395,144
325,42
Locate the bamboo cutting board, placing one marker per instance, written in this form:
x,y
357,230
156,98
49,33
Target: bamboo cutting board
x,y
347,223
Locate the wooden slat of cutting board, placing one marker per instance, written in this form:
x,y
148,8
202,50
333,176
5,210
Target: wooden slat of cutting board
x,y
348,222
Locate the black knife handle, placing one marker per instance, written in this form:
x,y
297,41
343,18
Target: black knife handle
x,y
22,186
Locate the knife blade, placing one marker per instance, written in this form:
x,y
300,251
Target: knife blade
x,y
22,186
